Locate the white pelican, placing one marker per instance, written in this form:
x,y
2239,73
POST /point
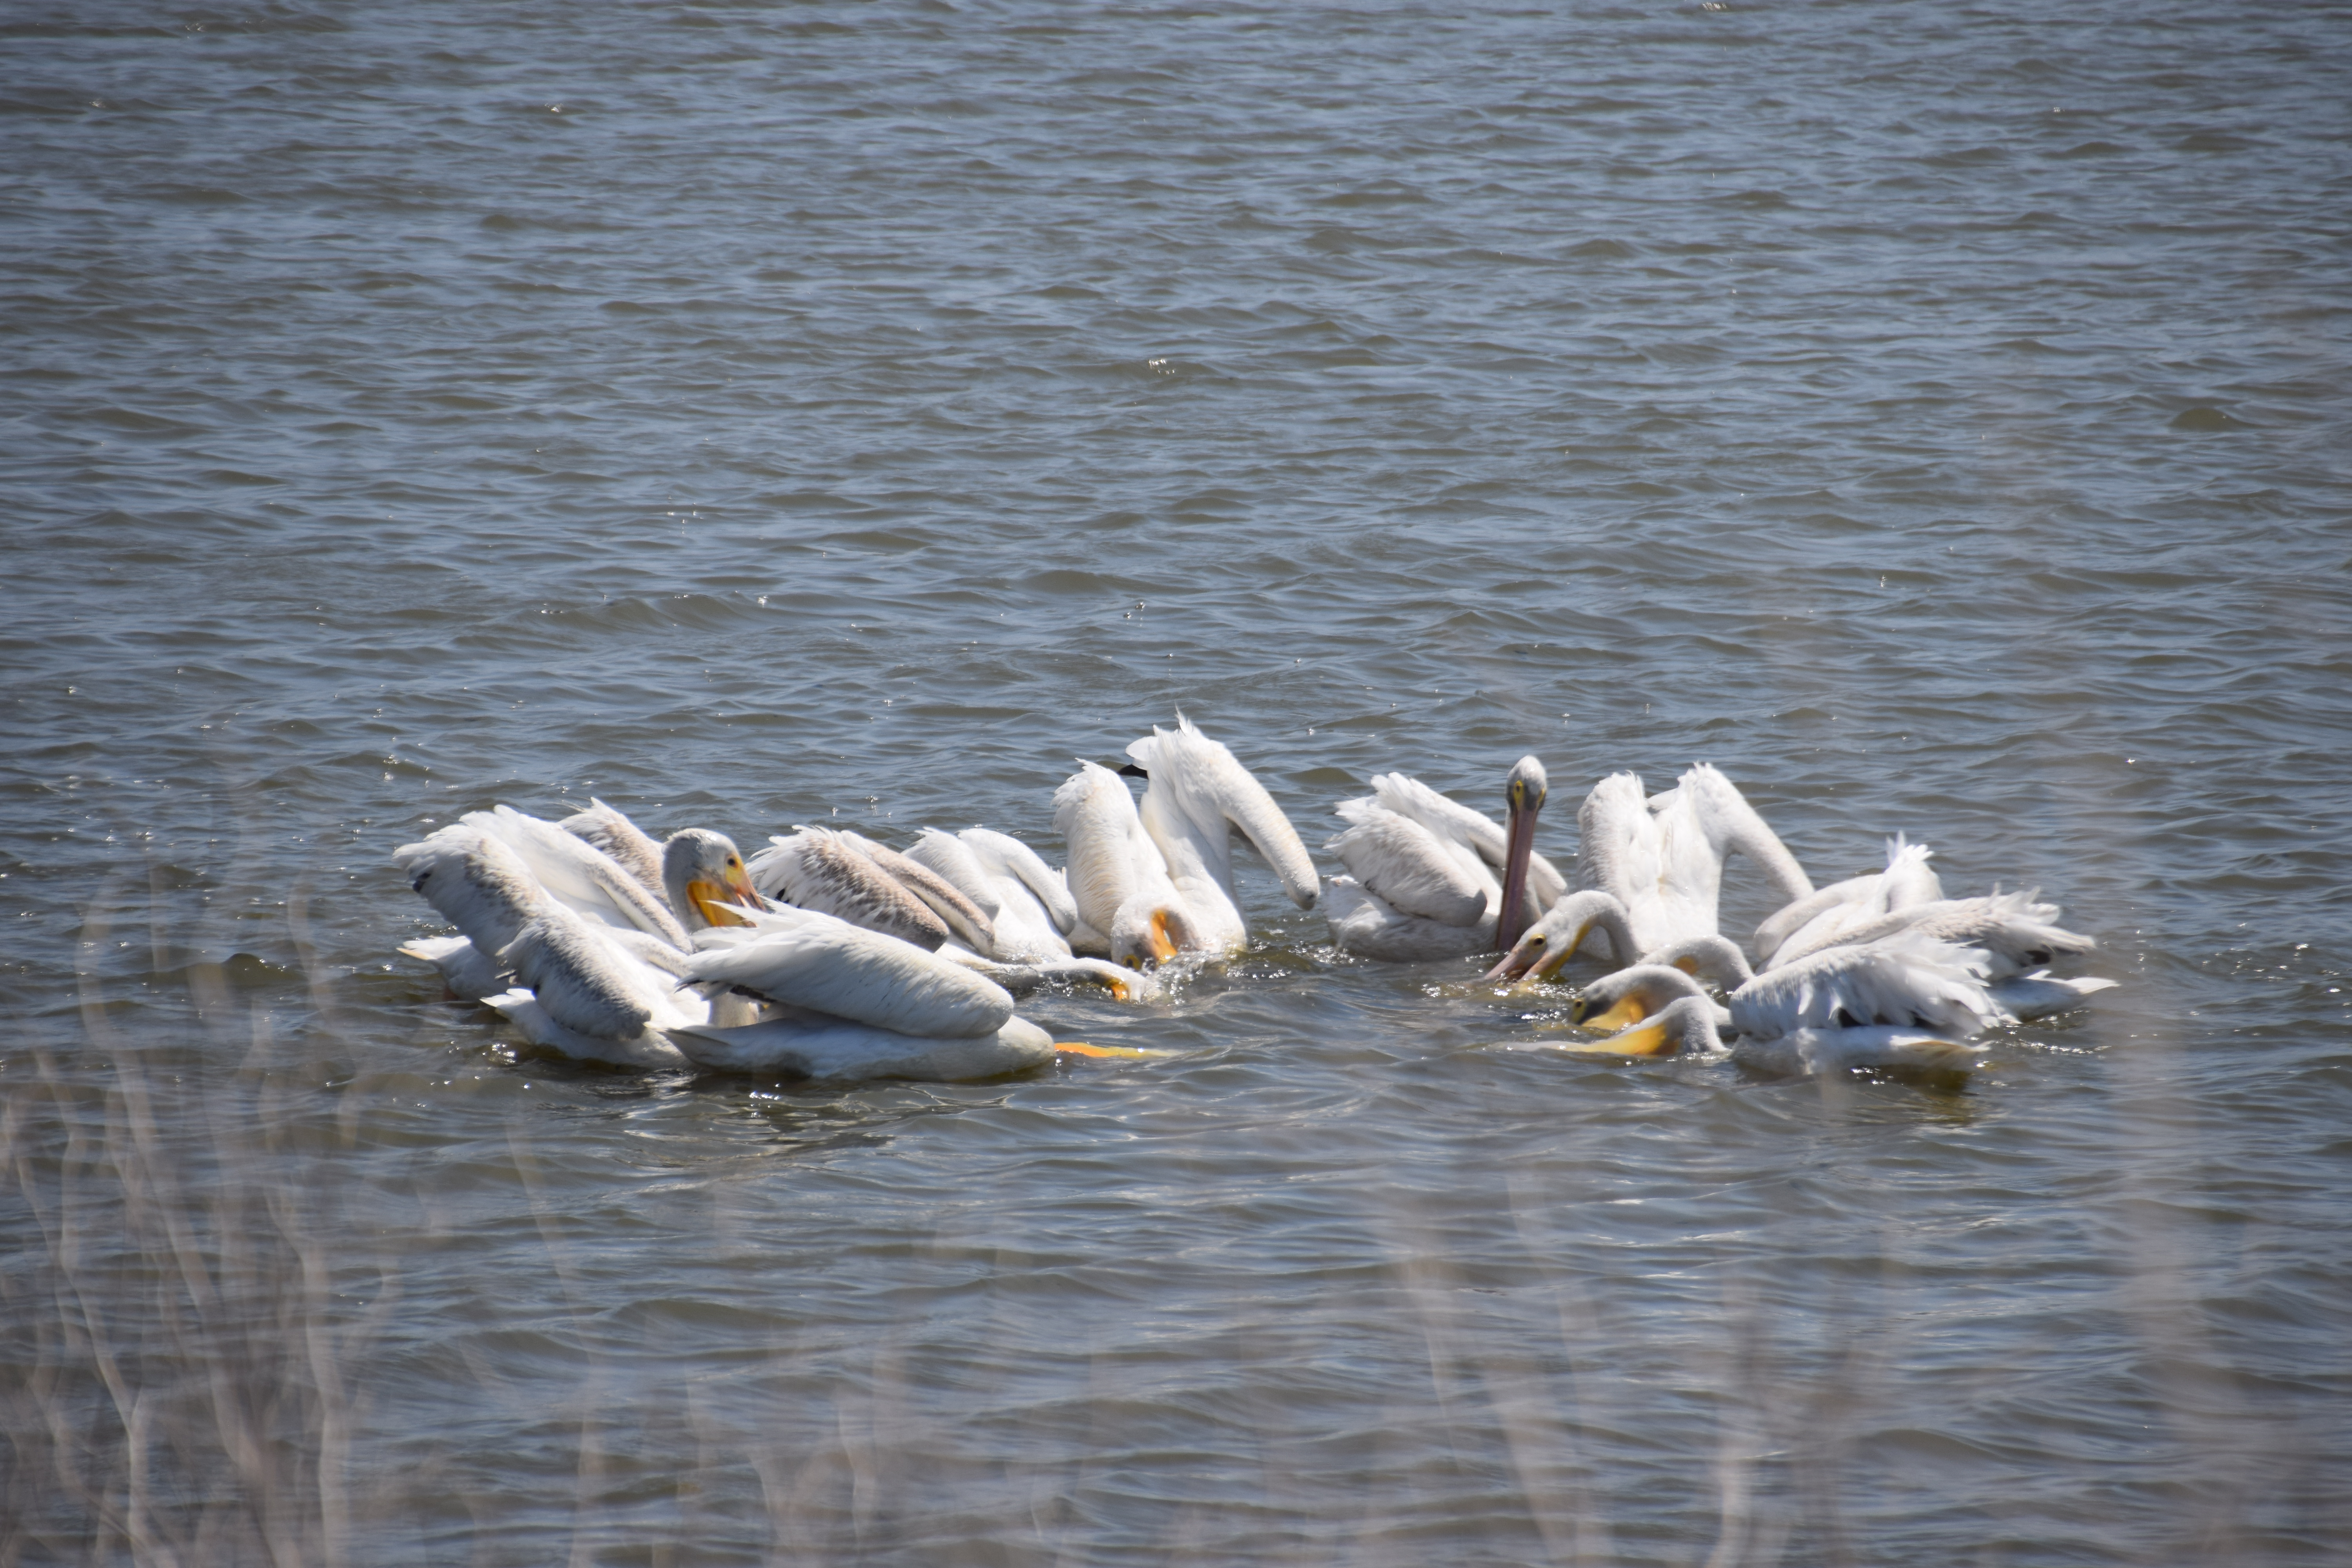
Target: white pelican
x,y
1025,902
1196,798
697,872
1662,857
1686,1026
1118,879
855,1003
592,990
1913,982
2005,943
701,870
1429,877
1842,1008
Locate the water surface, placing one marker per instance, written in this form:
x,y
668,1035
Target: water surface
x,y
756,416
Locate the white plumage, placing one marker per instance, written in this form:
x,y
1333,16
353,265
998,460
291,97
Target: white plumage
x,y
1118,879
989,868
822,869
1662,856
1911,981
590,882
801,958
1198,797
1427,875
1842,906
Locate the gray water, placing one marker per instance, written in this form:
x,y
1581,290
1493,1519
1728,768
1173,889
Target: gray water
x,y
1935,417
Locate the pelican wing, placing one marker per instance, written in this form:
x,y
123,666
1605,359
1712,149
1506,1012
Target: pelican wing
x,y
1801,925
1209,783
1732,826
590,881
1910,982
586,980
466,970
1008,856
816,869
1617,841
1908,879
1815,1053
1025,923
1363,924
1450,820
474,882
646,1048
1775,931
969,923
805,959
604,828
950,858
2037,995
853,1052
1406,866
2018,932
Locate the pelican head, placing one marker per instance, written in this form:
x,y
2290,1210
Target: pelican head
x,y
1146,932
1551,941
1621,1000
1523,792
1683,1024
703,873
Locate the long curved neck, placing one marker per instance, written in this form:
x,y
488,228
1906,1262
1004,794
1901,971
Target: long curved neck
x,y
1200,856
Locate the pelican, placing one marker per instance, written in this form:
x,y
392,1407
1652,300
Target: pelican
x,y
1196,797
701,870
1853,1006
1154,881
1118,879
855,1003
595,992
1662,857
1686,1026
1429,877
609,829
589,882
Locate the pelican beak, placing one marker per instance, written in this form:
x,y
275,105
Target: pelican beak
x,y
1520,844
1516,963
1688,966
1653,1041
713,902
1163,946
1549,964
1623,1015
1120,1053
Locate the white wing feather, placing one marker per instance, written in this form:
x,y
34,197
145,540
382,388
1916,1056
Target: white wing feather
x,y
805,959
592,882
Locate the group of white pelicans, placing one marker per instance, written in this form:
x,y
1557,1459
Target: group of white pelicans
x,y
829,956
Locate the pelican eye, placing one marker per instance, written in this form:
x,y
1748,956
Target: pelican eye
x,y
1535,939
